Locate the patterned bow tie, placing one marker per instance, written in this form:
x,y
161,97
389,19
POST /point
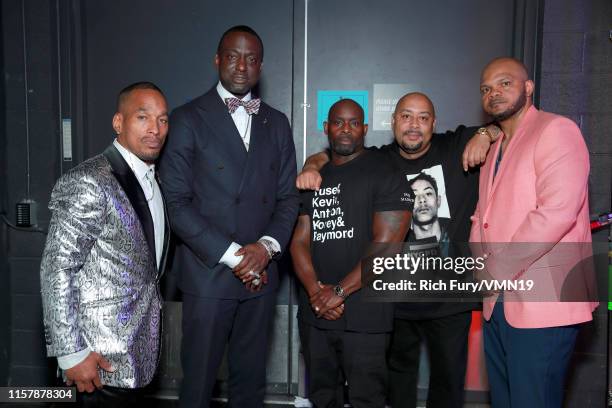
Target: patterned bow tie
x,y
251,107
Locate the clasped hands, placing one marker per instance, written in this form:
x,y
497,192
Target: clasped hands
x,y
251,268
326,304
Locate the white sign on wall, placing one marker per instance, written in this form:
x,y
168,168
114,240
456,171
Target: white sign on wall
x,y
385,97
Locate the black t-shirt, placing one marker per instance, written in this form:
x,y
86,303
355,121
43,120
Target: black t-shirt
x,y
341,217
457,194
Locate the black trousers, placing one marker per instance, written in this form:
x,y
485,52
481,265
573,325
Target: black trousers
x,y
335,356
111,397
447,342
211,324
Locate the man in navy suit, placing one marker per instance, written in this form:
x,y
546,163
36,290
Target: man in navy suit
x,y
228,172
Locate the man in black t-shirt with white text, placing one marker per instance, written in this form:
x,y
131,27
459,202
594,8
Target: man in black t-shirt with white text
x,y
362,200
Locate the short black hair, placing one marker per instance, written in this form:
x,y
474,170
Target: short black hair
x,y
426,177
344,100
241,29
123,94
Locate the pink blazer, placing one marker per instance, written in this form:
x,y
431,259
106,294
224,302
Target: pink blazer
x,y
526,215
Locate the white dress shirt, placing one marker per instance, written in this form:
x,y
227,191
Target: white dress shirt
x,y
145,174
243,121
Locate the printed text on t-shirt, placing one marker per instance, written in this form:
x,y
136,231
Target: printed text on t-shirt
x,y
327,216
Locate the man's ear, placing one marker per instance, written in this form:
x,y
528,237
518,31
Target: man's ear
x,y
365,129
217,61
529,87
325,127
439,201
117,122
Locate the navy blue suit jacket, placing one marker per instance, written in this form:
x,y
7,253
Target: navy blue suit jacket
x,y
217,192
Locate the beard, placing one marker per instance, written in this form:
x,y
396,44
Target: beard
x,y
344,149
411,148
513,109
147,157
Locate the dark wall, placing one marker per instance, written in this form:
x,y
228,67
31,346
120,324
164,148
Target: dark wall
x,y
173,44
576,81
5,289
27,363
434,47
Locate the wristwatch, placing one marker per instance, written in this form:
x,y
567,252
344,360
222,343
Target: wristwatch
x,y
272,252
339,291
485,131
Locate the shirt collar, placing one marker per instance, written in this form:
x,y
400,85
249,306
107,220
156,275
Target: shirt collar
x,y
139,167
224,94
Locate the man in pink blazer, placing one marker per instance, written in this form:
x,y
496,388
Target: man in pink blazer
x,y
533,189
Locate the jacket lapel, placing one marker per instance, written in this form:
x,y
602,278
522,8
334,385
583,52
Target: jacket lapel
x,y
167,232
219,120
125,176
522,131
493,178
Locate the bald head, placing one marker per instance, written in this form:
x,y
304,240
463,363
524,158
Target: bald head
x,y
506,64
345,103
505,90
417,97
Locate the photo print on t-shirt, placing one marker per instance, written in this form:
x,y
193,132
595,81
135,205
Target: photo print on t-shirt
x,y
431,212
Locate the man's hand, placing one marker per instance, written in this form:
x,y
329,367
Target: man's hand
x,y
331,314
252,287
308,180
335,313
476,150
85,374
255,258
325,300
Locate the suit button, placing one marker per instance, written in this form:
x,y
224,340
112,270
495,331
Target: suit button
x,y
265,200
486,225
238,200
233,236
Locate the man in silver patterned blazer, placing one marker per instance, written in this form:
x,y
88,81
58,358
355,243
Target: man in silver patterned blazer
x,y
104,255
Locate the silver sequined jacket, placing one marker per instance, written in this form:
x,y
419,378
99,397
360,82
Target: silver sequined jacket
x,y
99,277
